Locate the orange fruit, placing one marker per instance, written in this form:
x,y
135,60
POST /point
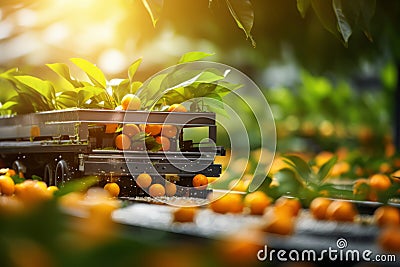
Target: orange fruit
x,y
130,102
341,211
156,190
10,173
32,192
389,239
170,189
185,214
278,221
169,131
257,201
292,204
35,131
111,128
380,182
122,142
323,157
238,185
164,142
113,189
7,185
319,206
130,129
153,129
144,180
52,188
385,167
177,108
229,203
387,215
200,181
10,205
239,248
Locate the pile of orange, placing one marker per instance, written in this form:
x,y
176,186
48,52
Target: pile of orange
x,y
162,134
154,189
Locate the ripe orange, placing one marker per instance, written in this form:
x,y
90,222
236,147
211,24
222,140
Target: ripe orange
x,y
292,204
387,215
170,189
389,239
111,128
122,141
10,205
185,214
32,192
130,102
319,206
10,173
238,185
164,142
257,201
52,189
177,108
278,221
341,211
6,185
153,129
323,157
239,248
229,203
169,131
144,180
130,129
156,190
200,181
35,131
113,189
380,182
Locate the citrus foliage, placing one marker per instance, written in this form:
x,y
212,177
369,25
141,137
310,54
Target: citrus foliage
x,y
27,94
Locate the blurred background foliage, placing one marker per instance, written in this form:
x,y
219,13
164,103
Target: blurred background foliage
x,y
319,89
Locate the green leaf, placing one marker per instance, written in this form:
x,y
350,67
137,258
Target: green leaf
x,y
147,94
151,144
44,88
367,11
63,71
303,6
154,8
326,15
17,179
302,167
134,87
76,185
326,168
67,99
86,93
243,13
133,68
94,73
194,56
7,90
343,25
